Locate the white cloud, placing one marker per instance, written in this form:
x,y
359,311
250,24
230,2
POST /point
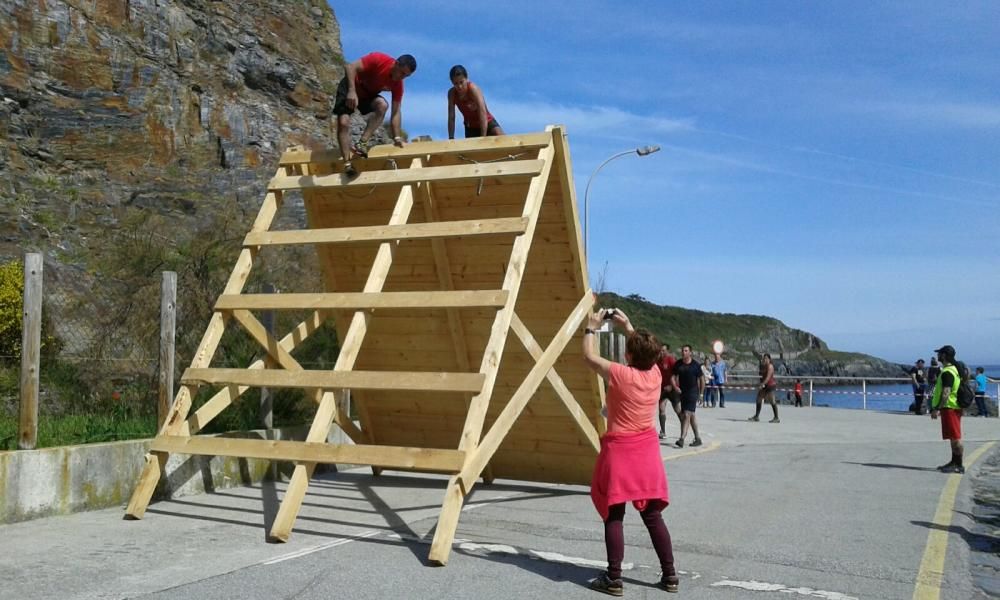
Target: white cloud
x,y
967,115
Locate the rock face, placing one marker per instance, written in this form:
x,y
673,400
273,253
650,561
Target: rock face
x,y
746,338
180,107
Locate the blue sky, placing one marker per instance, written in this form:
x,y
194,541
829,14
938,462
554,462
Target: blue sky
x,y
835,165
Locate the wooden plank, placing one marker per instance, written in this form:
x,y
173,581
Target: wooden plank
x,y
495,436
388,233
168,328
516,168
512,143
176,422
31,346
457,489
363,380
579,416
365,301
349,349
263,337
432,459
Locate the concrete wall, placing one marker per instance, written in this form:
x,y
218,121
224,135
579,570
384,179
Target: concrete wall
x,y
67,479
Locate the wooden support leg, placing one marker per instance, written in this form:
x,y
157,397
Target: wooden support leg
x,y
447,525
156,462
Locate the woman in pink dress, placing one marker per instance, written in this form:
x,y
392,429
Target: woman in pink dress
x,y
629,467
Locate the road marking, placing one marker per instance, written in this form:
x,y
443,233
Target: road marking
x,y
708,448
760,586
928,585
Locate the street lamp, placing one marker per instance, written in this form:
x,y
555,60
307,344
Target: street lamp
x,y
644,151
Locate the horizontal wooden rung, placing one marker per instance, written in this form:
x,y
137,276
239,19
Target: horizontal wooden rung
x,y
387,233
512,144
328,380
364,301
396,457
514,168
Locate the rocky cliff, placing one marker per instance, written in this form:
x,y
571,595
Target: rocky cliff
x,y
176,107
747,337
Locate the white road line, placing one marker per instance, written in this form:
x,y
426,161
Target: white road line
x,y
760,586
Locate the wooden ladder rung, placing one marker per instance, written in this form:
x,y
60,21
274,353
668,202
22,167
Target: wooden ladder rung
x,y
364,300
328,380
508,143
515,168
396,457
388,233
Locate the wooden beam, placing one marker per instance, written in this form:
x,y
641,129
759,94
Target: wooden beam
x,y
350,347
451,507
388,233
364,380
259,333
31,346
176,420
579,416
509,143
478,458
431,459
365,301
516,168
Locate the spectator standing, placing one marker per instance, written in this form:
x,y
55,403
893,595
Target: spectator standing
x,y
981,393
918,375
629,468
706,375
798,392
719,372
944,402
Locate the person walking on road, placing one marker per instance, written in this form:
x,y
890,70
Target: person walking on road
x,y
766,389
688,378
629,467
944,402
668,395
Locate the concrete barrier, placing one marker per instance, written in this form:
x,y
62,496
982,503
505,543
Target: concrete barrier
x,y
68,479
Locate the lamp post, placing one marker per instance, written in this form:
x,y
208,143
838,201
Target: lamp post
x,y
643,151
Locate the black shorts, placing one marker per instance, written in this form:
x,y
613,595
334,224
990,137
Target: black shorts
x,y
365,105
689,403
471,132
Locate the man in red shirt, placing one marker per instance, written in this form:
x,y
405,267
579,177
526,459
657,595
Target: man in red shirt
x,y
363,80
668,393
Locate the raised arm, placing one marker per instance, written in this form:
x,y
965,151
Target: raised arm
x,y
591,356
451,113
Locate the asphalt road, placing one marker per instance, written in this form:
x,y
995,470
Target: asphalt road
x,y
832,504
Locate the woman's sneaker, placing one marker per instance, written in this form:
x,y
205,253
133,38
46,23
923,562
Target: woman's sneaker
x,y
605,584
670,583
754,419
696,442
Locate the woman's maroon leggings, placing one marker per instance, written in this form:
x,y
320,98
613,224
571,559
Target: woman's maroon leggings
x,y
614,537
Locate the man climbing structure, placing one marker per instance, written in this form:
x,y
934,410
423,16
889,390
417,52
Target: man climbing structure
x,y
363,80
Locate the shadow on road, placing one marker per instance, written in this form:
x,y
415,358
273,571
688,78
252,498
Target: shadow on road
x,y
890,466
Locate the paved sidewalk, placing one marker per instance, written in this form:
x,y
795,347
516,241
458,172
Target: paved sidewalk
x,y
833,504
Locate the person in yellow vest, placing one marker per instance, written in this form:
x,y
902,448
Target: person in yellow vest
x,y
944,402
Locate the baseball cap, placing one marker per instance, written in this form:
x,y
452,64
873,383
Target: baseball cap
x,y
946,350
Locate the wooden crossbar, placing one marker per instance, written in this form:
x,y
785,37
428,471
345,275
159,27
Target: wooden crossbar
x,y
508,143
364,301
389,233
361,380
397,457
516,168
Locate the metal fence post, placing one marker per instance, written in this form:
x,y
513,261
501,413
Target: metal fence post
x,y
266,401
810,392
864,395
31,343
168,331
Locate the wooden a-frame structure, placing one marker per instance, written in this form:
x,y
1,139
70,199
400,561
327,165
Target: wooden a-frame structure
x,y
431,258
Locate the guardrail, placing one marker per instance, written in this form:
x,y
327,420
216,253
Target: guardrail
x,y
808,384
